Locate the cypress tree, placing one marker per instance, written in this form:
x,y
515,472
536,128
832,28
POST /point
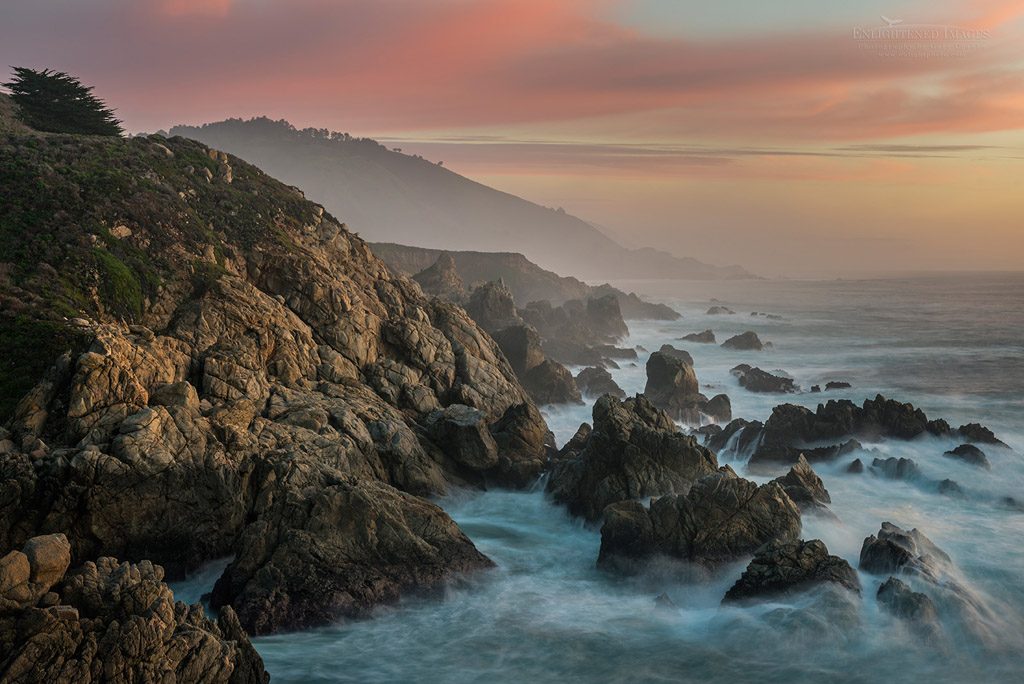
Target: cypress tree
x,y
56,102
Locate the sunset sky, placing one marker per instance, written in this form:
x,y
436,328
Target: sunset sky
x,y
777,135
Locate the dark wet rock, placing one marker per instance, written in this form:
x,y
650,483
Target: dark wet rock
x,y
896,550
492,307
594,382
719,408
633,451
521,345
524,446
719,310
748,341
793,429
464,436
1012,503
323,546
788,567
896,468
856,467
757,380
117,622
551,383
572,448
739,433
703,337
974,432
951,488
804,486
442,279
721,518
905,603
837,384
680,354
815,388
610,351
664,602
672,386
707,433
968,453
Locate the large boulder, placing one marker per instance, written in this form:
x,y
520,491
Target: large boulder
x,y
680,354
595,382
757,380
634,450
323,545
787,567
521,346
968,453
27,575
747,341
463,434
719,408
551,383
722,518
117,622
703,337
672,386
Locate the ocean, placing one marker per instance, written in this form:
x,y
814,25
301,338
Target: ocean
x,y
951,344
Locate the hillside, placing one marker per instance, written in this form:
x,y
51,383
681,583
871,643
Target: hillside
x,y
527,281
392,197
198,362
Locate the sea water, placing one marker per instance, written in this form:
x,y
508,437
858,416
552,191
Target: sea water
x,y
952,345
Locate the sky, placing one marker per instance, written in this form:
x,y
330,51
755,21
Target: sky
x,y
793,137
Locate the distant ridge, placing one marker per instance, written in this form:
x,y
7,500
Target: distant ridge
x,y
392,197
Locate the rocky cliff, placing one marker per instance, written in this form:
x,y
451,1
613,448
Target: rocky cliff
x,y
197,357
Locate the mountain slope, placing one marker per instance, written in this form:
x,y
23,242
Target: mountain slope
x,y
393,197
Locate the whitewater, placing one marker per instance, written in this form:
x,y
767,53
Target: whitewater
x,y
951,344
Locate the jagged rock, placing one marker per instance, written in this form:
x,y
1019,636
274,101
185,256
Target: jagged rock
x,y
721,518
718,407
521,346
605,318
672,386
896,468
792,429
524,445
968,453
757,380
837,384
634,450
815,388
719,310
664,602
896,550
856,467
594,382
804,486
705,337
748,341
551,383
323,545
118,622
975,432
492,307
680,354
740,434
442,279
787,567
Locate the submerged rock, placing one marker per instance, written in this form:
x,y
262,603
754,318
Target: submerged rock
x,y
634,450
974,432
721,518
748,341
837,384
856,467
968,453
905,603
718,310
788,567
896,468
595,382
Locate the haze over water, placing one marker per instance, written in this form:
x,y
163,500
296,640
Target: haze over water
x,y
949,344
